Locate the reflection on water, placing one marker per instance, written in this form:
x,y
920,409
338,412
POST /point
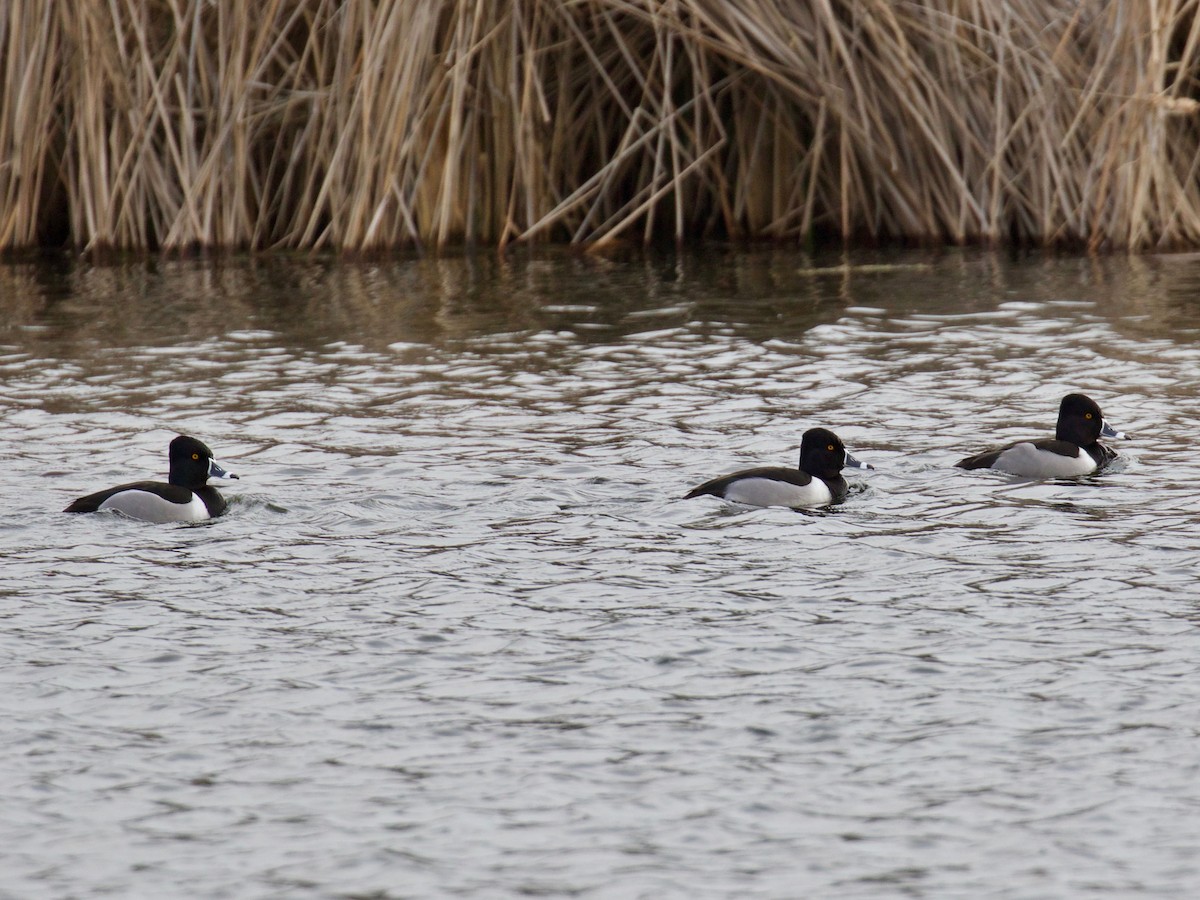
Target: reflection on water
x,y
457,636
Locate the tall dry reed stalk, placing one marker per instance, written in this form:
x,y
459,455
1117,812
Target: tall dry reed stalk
x,y
362,124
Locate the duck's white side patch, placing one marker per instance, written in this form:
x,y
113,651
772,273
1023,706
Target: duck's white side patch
x,y
768,492
1028,461
152,508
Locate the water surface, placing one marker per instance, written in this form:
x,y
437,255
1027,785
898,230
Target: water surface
x,y
458,636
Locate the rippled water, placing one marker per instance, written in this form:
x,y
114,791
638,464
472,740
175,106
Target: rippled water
x,y
458,636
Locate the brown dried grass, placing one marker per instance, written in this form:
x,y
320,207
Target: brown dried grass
x,y
367,124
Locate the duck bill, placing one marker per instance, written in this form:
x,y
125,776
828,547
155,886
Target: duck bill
x,y
1108,431
852,463
215,471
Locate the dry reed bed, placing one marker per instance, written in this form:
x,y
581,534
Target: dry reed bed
x,y
356,125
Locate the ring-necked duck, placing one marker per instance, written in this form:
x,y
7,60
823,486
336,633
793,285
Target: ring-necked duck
x,y
1074,450
817,482
185,497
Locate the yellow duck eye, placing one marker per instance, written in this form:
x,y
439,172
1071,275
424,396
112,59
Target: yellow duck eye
x,y
1087,415
195,456
830,448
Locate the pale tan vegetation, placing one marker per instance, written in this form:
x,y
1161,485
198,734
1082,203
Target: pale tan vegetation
x,y
357,125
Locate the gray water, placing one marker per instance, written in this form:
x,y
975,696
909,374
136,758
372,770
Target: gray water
x,y
458,636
